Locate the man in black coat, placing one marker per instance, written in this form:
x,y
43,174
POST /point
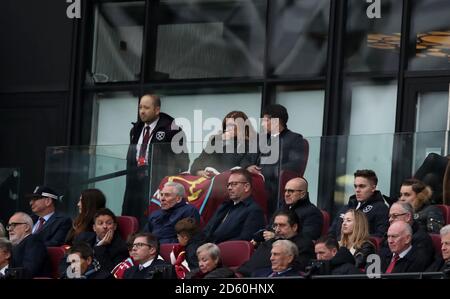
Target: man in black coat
x,y
156,144
442,262
109,248
283,150
286,227
145,251
367,199
83,264
29,251
238,218
51,226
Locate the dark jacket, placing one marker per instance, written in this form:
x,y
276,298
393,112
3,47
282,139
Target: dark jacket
x,y
191,249
55,230
310,217
162,222
376,210
163,162
268,272
430,218
241,222
439,265
261,257
219,272
223,161
361,254
292,156
411,262
343,263
107,255
157,269
31,254
421,241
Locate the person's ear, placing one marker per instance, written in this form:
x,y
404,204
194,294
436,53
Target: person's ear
x,y
89,260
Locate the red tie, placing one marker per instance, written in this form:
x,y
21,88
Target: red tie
x,y
40,225
144,145
392,264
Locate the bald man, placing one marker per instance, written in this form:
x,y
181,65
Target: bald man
x,y
405,257
296,198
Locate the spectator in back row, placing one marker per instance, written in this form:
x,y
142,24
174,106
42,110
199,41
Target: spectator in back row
x,y
417,194
367,199
51,226
238,218
174,207
91,200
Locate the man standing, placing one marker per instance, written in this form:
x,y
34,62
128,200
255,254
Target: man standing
x,y
289,153
49,225
367,199
238,218
151,149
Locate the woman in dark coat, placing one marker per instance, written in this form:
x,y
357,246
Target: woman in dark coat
x,y
210,265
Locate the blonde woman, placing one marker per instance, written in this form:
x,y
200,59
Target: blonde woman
x,y
355,236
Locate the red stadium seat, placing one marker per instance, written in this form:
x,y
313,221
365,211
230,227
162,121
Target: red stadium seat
x,y
235,253
376,241
127,225
55,254
165,250
446,212
326,222
436,238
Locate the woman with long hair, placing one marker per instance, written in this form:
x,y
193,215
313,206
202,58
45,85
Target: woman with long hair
x,y
418,195
355,236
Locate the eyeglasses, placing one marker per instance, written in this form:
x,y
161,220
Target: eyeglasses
x,y
138,245
290,191
12,225
275,225
234,184
395,216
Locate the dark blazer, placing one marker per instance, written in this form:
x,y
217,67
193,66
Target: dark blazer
x,y
149,272
219,272
411,262
107,255
55,229
261,257
267,272
31,254
242,221
439,265
310,217
376,210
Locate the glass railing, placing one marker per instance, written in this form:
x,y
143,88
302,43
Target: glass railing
x,y
330,164
9,192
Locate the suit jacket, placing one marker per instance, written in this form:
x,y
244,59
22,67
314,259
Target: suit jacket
x,y
411,262
107,255
149,272
268,272
241,222
55,229
31,254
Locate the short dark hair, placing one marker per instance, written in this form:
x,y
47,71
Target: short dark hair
x,y
367,174
292,216
187,226
105,211
155,98
245,173
277,111
152,240
329,242
83,248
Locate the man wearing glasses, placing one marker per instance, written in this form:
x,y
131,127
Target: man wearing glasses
x,y
238,218
145,251
29,251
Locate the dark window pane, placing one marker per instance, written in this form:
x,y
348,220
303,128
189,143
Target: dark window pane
x,y
117,42
209,39
430,35
298,37
372,44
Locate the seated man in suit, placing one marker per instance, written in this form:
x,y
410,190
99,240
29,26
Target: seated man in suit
x,y
109,248
145,251
442,263
50,225
5,256
83,264
238,218
285,225
282,257
29,251
404,257
174,207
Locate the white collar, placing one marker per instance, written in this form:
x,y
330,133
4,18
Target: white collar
x,y
405,252
146,264
3,270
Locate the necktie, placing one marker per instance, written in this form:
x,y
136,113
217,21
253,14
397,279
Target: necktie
x,y
273,274
392,264
40,225
144,146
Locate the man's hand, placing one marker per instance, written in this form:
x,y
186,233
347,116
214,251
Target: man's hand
x,y
254,169
267,235
107,239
